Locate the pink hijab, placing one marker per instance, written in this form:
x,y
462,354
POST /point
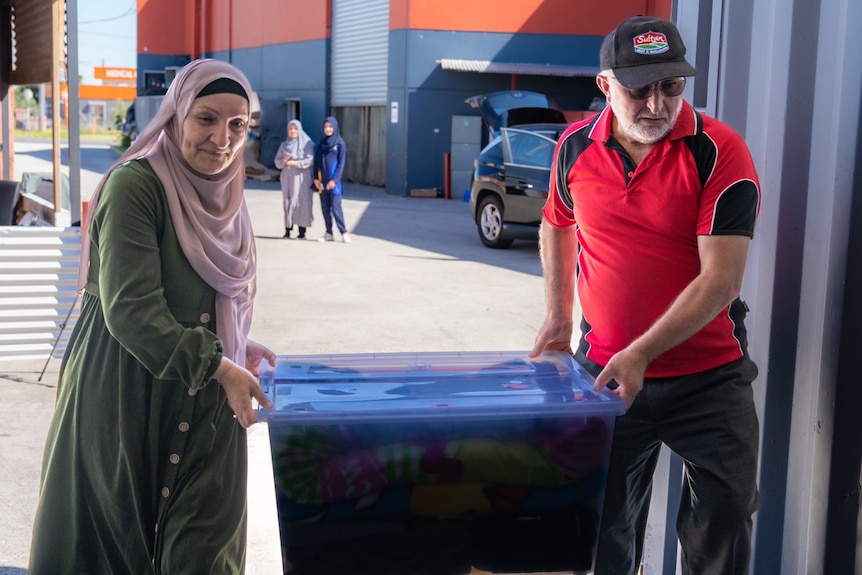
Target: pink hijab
x,y
209,213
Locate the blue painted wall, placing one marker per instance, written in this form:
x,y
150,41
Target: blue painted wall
x,y
429,96
296,70
147,62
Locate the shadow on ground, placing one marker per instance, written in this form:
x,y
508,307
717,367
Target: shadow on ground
x,y
430,224
436,225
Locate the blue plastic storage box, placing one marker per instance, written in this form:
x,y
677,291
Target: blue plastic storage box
x,y
414,463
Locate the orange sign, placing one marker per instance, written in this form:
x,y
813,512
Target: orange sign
x,y
116,74
90,92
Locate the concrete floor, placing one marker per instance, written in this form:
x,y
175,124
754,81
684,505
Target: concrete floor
x,y
415,278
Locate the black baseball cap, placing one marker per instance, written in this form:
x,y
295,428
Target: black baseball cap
x,y
644,50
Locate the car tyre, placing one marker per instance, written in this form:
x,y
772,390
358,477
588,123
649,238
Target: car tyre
x,y
489,223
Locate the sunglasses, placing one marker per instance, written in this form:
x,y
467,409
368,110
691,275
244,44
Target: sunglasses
x,y
669,88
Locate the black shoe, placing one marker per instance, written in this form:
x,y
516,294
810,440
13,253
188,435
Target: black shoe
x,y
301,235
287,233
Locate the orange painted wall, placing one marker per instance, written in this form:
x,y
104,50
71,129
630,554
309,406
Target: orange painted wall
x,y
196,26
162,27
253,23
589,18
399,14
192,26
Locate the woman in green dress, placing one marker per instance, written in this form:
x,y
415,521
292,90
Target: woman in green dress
x,y
145,463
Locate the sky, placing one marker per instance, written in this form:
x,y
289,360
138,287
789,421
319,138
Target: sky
x,y
107,36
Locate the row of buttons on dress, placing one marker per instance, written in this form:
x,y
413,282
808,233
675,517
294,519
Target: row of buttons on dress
x,y
183,426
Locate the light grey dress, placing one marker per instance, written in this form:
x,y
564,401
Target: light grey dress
x,y
296,180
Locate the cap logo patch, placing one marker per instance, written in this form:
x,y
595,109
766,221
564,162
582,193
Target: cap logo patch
x,y
650,43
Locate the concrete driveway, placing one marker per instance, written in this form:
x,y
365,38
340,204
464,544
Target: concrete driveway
x,y
415,278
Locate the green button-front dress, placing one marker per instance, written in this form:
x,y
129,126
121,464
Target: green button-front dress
x,y
145,467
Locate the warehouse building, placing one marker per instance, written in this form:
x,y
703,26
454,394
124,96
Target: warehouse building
x,y
395,73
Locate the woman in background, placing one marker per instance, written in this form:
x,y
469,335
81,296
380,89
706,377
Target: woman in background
x,y
294,158
328,169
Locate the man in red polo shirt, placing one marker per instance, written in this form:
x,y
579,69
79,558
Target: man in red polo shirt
x,y
650,213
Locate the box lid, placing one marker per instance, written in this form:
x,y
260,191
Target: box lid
x,y
390,387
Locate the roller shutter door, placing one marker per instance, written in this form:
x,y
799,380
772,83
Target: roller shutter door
x,y
360,52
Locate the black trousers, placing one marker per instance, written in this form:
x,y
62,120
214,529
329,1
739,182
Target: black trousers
x,y
709,420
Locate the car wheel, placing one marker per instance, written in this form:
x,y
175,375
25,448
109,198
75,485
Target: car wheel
x,y
490,223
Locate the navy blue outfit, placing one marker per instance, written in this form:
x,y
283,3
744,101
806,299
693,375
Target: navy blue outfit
x,y
329,159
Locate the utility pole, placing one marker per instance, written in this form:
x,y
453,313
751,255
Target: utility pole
x,y
57,75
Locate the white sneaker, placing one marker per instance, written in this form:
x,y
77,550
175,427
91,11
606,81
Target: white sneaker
x,y
345,237
325,238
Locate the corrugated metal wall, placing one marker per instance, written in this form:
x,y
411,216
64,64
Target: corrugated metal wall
x,y
39,304
360,52
803,97
787,74
359,84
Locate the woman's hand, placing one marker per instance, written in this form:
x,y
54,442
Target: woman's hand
x,y
255,353
241,385
330,185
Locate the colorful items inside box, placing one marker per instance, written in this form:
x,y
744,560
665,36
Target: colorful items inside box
x,y
376,486
440,467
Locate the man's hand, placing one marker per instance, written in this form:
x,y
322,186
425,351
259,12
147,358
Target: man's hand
x,y
555,334
627,369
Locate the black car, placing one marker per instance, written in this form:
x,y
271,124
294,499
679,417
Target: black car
x,y
511,174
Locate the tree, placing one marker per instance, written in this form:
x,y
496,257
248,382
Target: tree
x,y
27,97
